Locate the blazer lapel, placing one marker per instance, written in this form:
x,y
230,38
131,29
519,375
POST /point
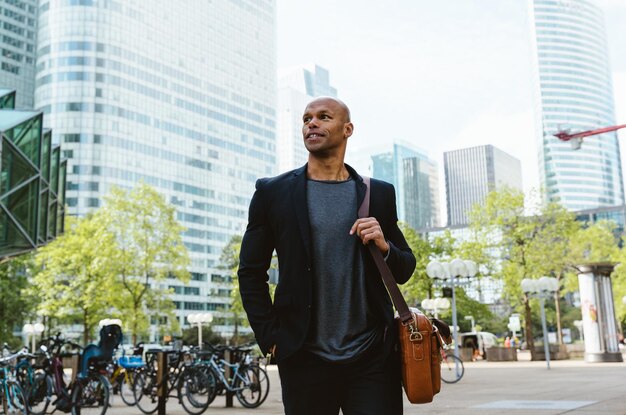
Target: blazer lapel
x,y
302,209
360,186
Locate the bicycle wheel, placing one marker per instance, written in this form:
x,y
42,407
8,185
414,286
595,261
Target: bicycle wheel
x,y
14,402
145,392
252,386
195,389
127,392
39,394
90,396
452,369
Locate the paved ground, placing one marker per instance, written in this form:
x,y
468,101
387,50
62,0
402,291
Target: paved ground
x,y
489,388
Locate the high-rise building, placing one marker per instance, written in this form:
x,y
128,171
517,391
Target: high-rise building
x,y
574,91
415,179
18,41
181,95
296,88
471,173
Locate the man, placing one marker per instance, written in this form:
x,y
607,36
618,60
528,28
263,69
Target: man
x,y
330,326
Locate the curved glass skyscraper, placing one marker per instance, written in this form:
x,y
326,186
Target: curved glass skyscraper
x,y
575,93
179,94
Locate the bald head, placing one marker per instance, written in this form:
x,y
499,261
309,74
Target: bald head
x,y
337,102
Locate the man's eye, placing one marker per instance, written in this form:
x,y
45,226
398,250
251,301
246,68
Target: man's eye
x,y
306,119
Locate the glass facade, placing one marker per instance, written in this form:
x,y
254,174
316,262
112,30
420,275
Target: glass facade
x,y
27,197
471,173
575,92
18,40
415,179
181,95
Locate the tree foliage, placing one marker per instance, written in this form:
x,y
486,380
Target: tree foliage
x,y
16,306
148,249
229,260
110,263
74,281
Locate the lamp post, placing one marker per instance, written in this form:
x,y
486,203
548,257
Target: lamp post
x,y
32,330
199,319
434,305
543,288
445,273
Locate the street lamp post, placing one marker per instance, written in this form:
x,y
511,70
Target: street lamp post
x,y
445,273
543,288
199,319
435,305
33,330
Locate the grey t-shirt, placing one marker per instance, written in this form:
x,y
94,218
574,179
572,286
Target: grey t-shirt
x,y
342,325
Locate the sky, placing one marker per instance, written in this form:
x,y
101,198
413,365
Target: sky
x,y
438,77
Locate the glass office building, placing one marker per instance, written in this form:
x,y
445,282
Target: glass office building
x,y
181,95
18,40
471,173
574,91
416,181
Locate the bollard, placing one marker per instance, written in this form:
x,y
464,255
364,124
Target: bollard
x,y
228,356
161,382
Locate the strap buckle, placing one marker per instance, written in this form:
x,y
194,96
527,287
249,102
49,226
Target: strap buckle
x,y
414,334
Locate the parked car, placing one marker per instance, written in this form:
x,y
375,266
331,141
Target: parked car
x,y
478,342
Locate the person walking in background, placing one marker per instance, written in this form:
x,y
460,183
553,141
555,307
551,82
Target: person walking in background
x,y
330,325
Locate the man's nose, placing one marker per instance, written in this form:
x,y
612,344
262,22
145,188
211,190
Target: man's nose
x,y
313,122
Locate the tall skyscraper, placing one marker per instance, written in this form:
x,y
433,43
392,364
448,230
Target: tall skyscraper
x,y
18,41
574,91
296,88
471,173
415,178
181,95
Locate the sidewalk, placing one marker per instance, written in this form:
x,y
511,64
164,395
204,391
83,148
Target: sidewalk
x,y
487,388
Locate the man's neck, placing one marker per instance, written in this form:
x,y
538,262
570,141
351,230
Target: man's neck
x,y
328,170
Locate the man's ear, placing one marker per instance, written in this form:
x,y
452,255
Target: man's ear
x,y
348,128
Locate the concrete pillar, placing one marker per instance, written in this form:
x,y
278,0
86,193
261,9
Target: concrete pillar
x,y
599,321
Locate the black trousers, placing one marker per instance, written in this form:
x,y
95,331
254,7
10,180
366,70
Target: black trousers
x,y
368,386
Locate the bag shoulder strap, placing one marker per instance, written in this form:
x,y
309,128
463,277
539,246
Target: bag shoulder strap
x,y
392,287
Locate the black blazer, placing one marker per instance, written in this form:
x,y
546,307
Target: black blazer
x,y
279,219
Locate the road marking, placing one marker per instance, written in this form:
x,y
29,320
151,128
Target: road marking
x,y
535,404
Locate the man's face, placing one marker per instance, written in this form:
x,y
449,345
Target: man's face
x,y
325,127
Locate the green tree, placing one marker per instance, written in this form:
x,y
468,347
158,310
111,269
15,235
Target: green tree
x,y
530,245
229,260
618,277
15,305
444,248
148,249
74,276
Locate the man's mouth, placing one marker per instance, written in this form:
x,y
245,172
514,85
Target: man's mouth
x,y
313,135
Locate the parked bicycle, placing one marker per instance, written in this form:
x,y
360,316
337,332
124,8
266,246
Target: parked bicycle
x,y
247,379
452,368
123,371
88,392
13,397
181,379
36,385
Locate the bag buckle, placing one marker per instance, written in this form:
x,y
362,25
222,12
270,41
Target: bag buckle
x,y
414,334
